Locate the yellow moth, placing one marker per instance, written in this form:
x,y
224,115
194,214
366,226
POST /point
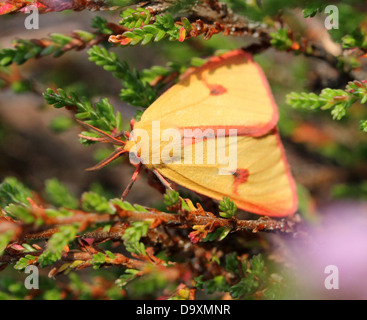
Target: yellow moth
x,y
219,113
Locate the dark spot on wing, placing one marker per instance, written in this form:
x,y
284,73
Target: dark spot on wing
x,y
215,89
240,176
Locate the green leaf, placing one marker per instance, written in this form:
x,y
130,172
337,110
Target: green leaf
x,y
101,115
56,244
24,262
171,198
128,206
21,212
110,255
98,260
133,235
61,39
228,208
217,284
280,39
339,101
92,201
258,267
100,24
129,275
5,240
59,195
363,125
13,191
246,286
311,10
28,248
231,262
219,234
135,91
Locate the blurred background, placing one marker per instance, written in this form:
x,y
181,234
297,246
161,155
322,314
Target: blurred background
x,y
328,158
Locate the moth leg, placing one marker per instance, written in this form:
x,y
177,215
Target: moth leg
x,y
133,179
162,179
132,123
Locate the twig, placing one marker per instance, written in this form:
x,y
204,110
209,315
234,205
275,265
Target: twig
x,y
44,6
182,220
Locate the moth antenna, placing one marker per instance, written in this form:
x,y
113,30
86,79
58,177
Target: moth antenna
x,y
114,155
103,140
106,135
